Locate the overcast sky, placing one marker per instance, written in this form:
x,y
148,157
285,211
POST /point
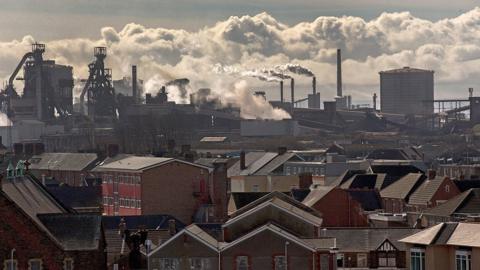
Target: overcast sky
x,y
53,19
215,43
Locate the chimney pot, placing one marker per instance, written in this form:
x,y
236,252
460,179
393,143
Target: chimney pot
x,y
172,228
432,174
242,160
282,150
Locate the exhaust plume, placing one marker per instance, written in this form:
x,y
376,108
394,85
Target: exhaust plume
x,y
295,69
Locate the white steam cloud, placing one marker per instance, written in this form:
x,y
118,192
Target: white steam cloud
x,y
450,46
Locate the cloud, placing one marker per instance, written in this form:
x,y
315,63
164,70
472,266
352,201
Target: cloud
x,y
450,46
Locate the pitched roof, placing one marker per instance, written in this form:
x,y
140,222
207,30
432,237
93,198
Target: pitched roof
x,y
424,193
464,185
242,199
278,203
78,197
369,199
74,231
345,176
195,232
425,237
153,222
370,181
317,194
31,197
63,161
278,195
260,163
276,230
367,239
402,188
451,233
465,234
137,163
467,202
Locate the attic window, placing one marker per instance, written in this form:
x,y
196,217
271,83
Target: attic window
x,y
447,188
68,264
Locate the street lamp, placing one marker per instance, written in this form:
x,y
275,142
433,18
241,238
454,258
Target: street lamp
x,y
11,259
286,255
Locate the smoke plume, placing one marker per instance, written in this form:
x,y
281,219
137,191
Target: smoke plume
x,y
450,46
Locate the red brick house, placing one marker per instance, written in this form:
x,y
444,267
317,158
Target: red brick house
x,y
433,192
41,234
343,207
136,185
269,233
395,197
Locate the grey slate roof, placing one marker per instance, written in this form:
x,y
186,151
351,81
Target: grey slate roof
x,y
403,187
31,197
78,197
467,202
74,231
63,161
367,239
261,163
280,196
137,163
424,193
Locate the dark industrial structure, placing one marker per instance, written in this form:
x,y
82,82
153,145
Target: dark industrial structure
x,y
47,92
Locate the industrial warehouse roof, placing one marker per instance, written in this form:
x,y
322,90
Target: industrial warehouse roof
x,y
261,163
402,188
136,163
74,231
465,203
63,161
452,233
406,70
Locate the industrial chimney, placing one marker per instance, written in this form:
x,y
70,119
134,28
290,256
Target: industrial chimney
x,y
292,88
134,84
374,101
339,73
281,91
314,91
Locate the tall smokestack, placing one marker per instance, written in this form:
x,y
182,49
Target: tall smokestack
x,y
314,90
292,88
281,91
374,101
339,73
134,84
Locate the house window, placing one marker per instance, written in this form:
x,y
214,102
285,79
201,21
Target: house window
x,y
255,188
417,256
10,265
68,264
280,263
463,259
35,264
340,258
242,263
169,264
199,264
387,259
362,260
447,188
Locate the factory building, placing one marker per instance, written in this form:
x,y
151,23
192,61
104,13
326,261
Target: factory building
x,y
407,91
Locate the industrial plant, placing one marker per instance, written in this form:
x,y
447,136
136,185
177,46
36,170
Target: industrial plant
x,y
120,115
